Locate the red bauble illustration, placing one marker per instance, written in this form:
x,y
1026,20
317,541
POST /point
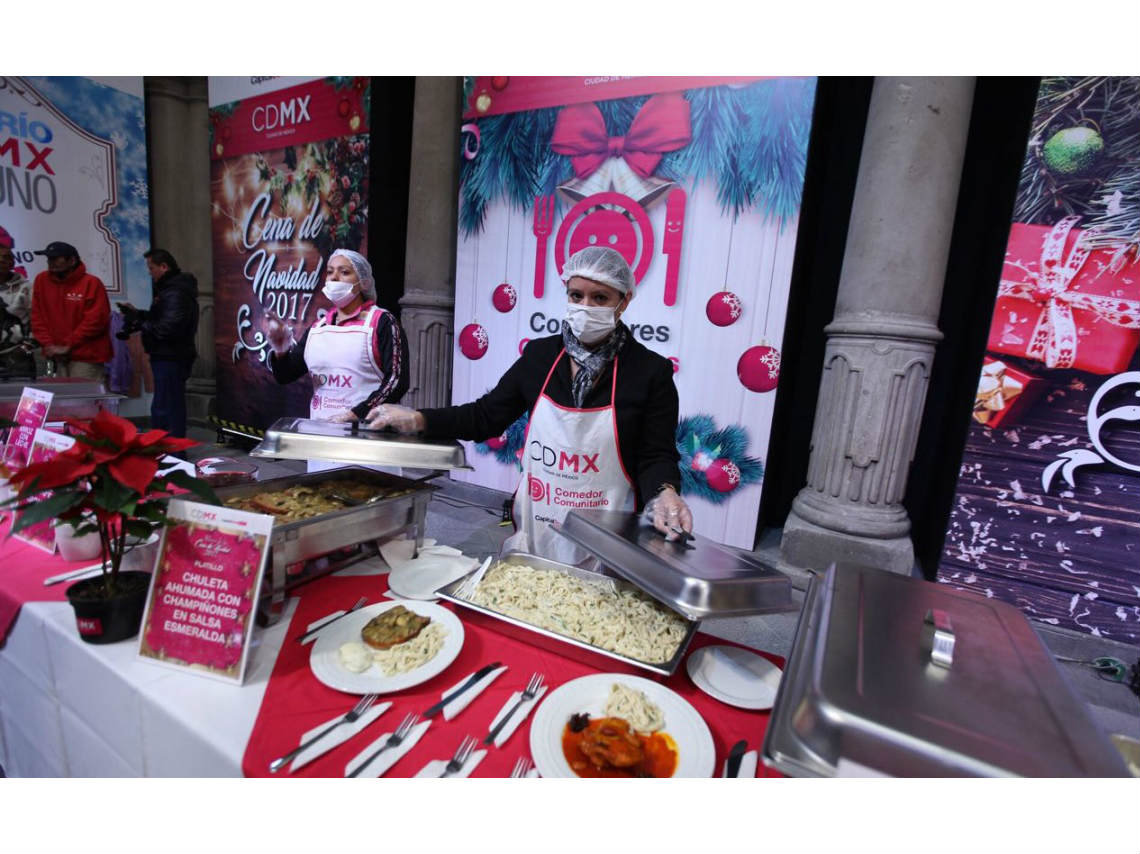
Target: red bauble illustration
x,y
724,308
723,475
473,341
499,83
504,297
495,443
343,108
759,368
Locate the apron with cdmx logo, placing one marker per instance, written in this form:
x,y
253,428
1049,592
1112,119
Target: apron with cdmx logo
x,y
570,462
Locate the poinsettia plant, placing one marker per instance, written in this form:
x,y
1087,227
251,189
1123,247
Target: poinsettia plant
x,y
109,482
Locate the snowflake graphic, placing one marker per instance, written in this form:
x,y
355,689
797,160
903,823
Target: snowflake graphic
x,y
511,293
771,360
735,308
732,472
481,337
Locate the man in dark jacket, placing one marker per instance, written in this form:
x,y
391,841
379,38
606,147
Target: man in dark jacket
x,y
168,329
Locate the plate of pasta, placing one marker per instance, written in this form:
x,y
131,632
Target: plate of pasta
x,y
386,647
616,725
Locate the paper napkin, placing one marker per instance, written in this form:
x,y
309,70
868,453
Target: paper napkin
x,y
748,764
517,718
463,700
390,756
532,774
437,766
369,566
327,618
397,552
335,738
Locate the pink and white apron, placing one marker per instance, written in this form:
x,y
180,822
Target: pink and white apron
x,y
571,461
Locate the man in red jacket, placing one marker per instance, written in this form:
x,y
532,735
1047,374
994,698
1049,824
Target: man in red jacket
x,y
71,315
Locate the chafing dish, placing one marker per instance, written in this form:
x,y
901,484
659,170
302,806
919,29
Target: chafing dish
x,y
308,439
561,644
295,542
71,397
896,676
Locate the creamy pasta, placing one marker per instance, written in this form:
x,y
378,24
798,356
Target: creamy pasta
x,y
633,706
612,617
411,654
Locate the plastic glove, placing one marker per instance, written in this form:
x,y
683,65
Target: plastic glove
x,y
668,511
280,336
402,419
345,416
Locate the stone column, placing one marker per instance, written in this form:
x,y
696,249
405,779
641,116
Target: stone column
x,y
427,307
179,142
881,342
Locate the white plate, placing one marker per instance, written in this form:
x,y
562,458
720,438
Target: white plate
x,y
735,676
696,754
324,660
432,572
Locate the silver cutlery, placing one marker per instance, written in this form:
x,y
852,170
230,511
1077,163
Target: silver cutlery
x,y
72,574
351,716
475,677
393,741
735,755
532,688
461,756
522,768
312,632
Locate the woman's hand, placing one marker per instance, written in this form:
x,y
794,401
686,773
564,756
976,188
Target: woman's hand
x,y
668,512
402,419
345,416
278,334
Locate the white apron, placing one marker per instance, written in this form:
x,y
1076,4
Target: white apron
x,y
343,370
571,461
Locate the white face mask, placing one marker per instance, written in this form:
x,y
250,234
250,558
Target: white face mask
x,y
339,294
590,323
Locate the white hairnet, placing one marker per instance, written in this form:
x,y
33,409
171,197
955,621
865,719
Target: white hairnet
x,y
363,272
600,264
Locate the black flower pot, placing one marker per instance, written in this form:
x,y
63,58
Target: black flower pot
x,y
103,619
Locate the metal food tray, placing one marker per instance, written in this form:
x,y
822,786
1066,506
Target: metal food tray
x,y
71,398
293,542
309,439
572,648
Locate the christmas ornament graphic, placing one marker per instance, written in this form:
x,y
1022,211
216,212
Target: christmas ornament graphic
x,y
504,298
759,368
724,308
473,341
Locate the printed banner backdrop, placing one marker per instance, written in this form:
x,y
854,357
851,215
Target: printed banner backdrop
x,y
73,168
1047,511
697,181
289,184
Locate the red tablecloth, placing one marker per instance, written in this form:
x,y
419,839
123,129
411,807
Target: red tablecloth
x,y
295,701
23,569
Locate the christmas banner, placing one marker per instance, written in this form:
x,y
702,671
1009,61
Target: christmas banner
x,y
697,182
289,184
1047,511
73,168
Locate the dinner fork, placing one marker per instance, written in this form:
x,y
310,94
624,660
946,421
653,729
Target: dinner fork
x,y
393,740
461,756
522,768
532,688
543,223
362,706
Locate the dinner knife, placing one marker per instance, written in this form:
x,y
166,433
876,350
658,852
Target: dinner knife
x,y
475,677
312,632
732,764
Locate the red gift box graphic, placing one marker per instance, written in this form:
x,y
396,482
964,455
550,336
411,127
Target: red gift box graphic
x,y
1068,312
1003,393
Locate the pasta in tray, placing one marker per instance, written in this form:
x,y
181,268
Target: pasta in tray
x,y
607,615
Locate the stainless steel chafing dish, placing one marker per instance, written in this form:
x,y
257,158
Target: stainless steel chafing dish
x,y
294,542
308,439
71,397
896,676
554,642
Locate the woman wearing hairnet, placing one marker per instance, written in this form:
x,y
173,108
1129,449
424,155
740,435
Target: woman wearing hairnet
x,y
357,354
603,415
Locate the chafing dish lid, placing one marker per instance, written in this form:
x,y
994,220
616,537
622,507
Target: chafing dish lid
x,y
308,439
700,578
911,678
61,388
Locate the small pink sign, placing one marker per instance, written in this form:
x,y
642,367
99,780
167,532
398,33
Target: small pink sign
x,y
31,414
204,589
89,625
45,445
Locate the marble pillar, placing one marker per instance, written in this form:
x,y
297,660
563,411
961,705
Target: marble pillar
x,y
427,307
882,340
179,141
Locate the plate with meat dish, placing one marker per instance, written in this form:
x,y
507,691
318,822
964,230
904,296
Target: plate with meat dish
x,y
615,725
386,647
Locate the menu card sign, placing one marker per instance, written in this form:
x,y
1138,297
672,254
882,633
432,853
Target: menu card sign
x,y
30,417
199,611
45,445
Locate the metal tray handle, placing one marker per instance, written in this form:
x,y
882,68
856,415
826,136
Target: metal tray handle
x,y
942,645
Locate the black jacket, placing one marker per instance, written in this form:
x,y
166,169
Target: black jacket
x,y
171,323
645,402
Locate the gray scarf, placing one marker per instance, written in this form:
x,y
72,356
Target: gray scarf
x,y
591,363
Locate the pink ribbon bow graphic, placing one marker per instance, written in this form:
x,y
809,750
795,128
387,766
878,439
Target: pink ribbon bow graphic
x,y
660,126
1054,339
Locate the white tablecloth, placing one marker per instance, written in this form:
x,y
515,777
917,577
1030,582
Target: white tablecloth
x,y
73,709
